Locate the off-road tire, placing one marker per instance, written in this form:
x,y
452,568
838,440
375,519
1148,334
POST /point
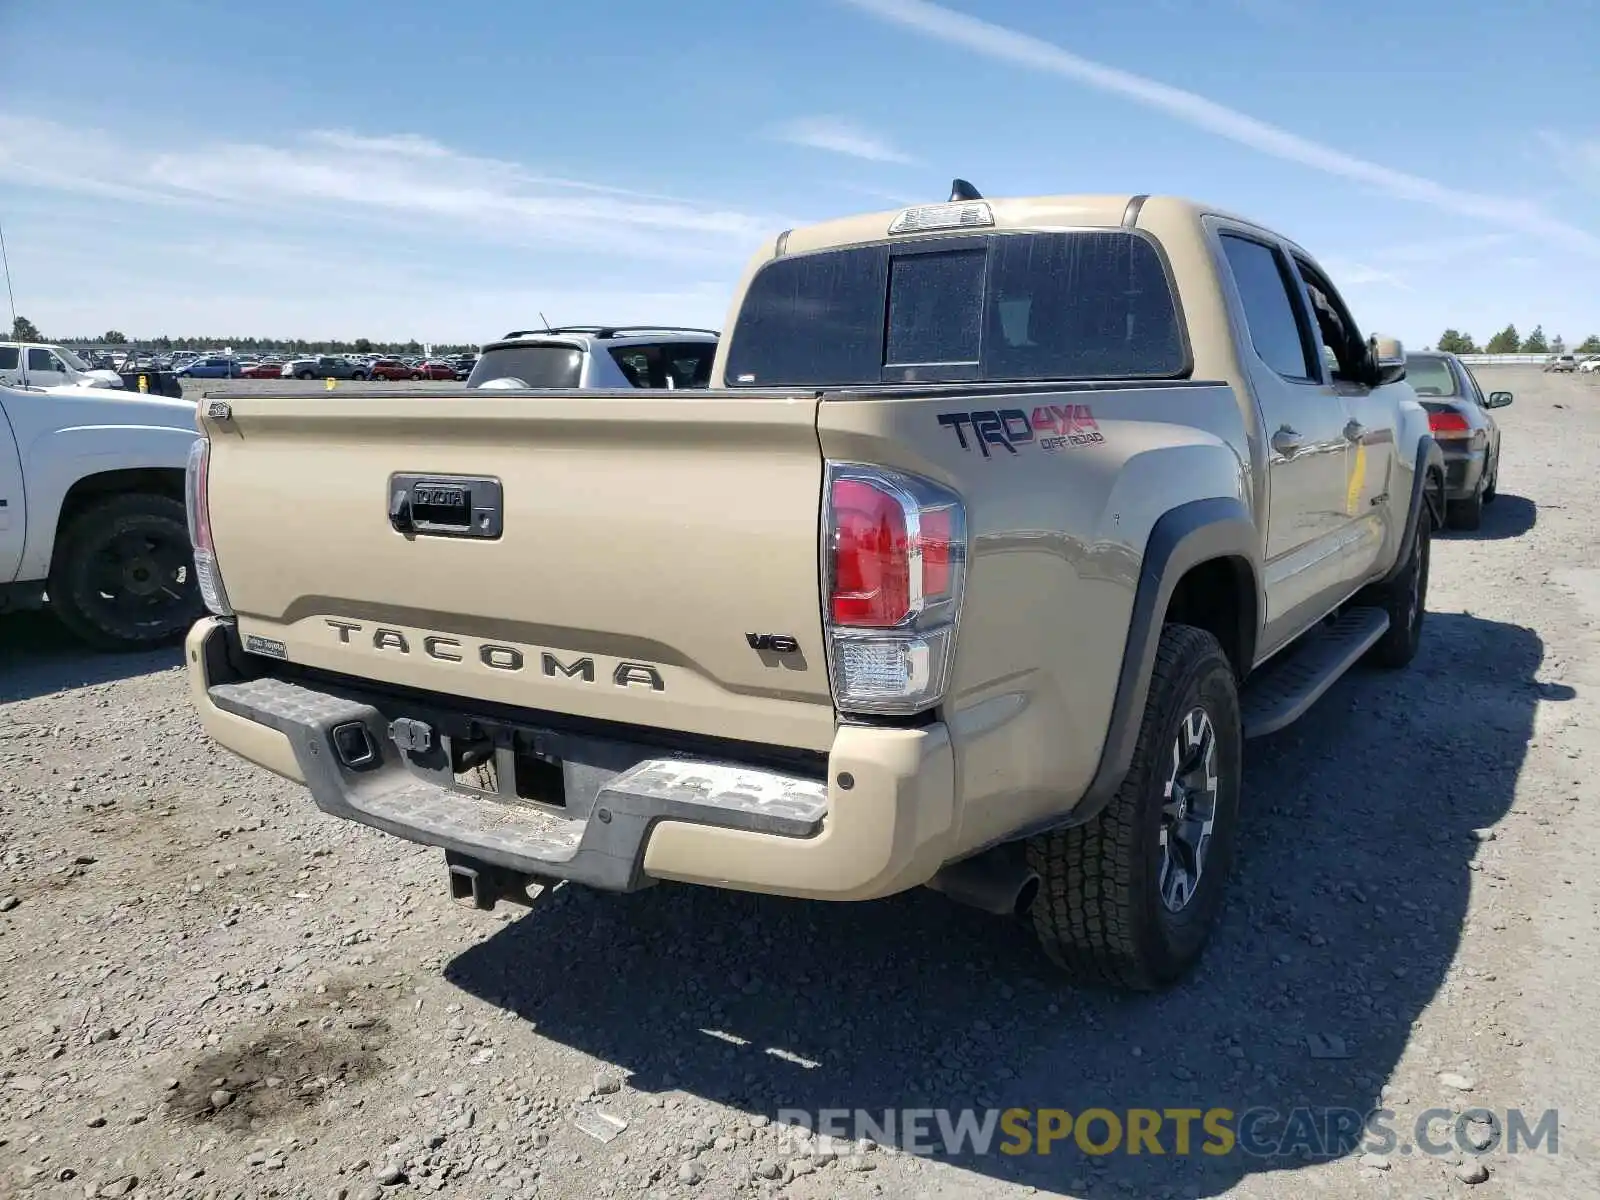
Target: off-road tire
x,y
1465,514
1398,646
77,599
1099,913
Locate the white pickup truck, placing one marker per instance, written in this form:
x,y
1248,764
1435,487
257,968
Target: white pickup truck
x,y
91,512
35,364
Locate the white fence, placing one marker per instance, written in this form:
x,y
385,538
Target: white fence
x,y
1504,360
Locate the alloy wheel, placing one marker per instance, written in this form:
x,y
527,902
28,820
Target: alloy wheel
x,y
1189,810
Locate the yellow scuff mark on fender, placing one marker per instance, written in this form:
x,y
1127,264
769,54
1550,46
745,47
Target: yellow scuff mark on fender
x,y
1358,477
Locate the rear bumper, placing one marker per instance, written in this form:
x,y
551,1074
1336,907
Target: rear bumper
x,y
1463,470
877,817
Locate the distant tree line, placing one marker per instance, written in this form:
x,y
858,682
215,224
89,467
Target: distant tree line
x,y
24,330
1508,341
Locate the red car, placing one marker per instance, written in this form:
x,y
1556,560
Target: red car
x,y
262,370
434,368
393,368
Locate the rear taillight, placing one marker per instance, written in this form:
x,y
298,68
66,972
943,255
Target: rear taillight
x,y
894,548
1447,424
197,499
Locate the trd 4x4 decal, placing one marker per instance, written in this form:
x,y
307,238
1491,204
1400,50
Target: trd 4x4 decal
x,y
1050,426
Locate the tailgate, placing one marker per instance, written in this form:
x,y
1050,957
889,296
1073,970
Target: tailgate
x,y
640,539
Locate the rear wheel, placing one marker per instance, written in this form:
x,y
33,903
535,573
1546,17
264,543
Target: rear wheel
x,y
1466,514
1405,599
1129,899
123,574
1493,490
305,375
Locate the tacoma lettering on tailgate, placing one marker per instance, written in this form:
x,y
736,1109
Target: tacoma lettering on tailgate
x,y
496,657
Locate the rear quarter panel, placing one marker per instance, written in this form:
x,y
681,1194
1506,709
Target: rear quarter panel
x,y
1056,541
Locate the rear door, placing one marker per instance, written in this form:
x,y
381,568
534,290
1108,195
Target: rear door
x,y
1479,411
1371,414
1304,420
13,504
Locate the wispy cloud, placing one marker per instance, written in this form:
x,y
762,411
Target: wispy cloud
x,y
223,281
840,136
1008,45
1351,274
402,177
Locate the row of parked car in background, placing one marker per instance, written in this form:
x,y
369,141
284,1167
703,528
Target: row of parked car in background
x,y
1588,365
320,366
568,356
565,356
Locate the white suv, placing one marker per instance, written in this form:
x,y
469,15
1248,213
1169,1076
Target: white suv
x,y
598,356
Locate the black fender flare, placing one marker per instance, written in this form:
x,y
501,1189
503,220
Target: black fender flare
x,y
1183,538
1430,460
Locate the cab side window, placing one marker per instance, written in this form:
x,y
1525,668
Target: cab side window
x,y
1276,322
10,358
689,364
635,365
42,360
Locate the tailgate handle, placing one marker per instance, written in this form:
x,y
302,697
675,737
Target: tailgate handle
x,y
446,506
400,511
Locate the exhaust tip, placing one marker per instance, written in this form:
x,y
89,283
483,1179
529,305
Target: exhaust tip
x,y
1026,895
997,881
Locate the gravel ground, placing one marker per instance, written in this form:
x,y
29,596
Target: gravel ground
x,y
208,989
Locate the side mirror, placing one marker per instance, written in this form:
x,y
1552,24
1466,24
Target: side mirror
x,y
1499,399
1388,359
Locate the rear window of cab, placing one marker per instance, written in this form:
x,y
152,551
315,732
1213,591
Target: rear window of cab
x,y
1001,307
529,366
1430,376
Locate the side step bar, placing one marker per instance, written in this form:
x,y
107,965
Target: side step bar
x,y
1285,688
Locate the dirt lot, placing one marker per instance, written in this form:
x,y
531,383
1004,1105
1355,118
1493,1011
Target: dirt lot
x,y
209,989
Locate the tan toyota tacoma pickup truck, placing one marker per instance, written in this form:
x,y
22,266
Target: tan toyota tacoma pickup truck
x,y
1003,524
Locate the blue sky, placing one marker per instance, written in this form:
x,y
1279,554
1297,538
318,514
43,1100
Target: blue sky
x,y
412,169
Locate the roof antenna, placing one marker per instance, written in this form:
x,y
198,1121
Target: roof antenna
x,y
546,321
960,189
7,261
